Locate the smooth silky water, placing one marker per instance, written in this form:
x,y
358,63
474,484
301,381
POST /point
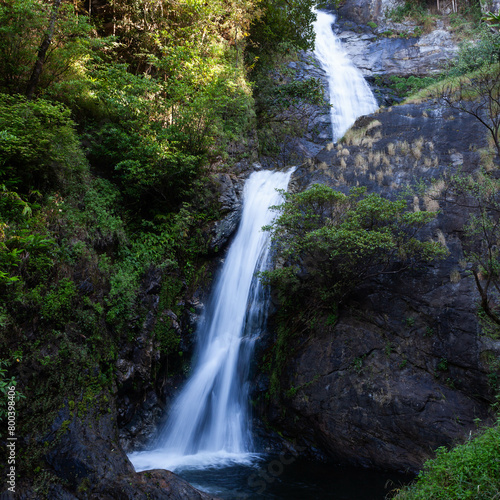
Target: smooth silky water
x,y
350,95
207,438
209,423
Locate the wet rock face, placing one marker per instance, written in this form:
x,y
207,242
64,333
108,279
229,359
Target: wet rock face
x,y
229,191
405,369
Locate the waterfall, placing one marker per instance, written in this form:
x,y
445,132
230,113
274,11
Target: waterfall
x,y
209,422
350,95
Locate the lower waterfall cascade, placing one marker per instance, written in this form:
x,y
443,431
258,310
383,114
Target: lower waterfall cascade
x,y
350,95
209,421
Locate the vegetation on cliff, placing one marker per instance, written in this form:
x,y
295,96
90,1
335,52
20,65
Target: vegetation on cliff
x,y
470,470
113,117
328,244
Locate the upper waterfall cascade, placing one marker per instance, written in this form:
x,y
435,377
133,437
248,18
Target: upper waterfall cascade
x,y
350,95
209,421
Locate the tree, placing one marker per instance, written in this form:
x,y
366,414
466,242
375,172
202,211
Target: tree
x,y
479,194
285,25
42,51
23,55
329,243
39,148
478,94
476,91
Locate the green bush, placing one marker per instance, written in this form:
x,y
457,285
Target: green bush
x,y
470,470
406,86
39,147
473,55
330,242
57,304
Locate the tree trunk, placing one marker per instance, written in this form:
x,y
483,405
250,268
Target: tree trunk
x,y
42,51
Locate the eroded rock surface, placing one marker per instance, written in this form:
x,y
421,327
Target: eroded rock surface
x,y
376,55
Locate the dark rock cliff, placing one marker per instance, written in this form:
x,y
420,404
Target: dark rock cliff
x,y
406,368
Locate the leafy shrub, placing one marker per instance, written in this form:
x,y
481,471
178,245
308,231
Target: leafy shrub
x,y
473,55
405,86
330,242
57,304
412,10
38,144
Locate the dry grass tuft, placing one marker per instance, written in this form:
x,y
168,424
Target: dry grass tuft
x,y
433,193
455,276
404,147
441,238
416,204
380,177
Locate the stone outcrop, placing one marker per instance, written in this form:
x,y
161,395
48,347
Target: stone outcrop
x,y
377,45
365,11
229,192
403,56
86,456
492,6
406,368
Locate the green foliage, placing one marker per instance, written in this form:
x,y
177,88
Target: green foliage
x,y
283,26
415,11
442,365
473,55
405,86
470,470
158,106
330,242
38,144
98,205
282,101
57,303
22,24
492,19
283,108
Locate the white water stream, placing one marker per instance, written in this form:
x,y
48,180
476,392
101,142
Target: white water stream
x,y
209,422
350,95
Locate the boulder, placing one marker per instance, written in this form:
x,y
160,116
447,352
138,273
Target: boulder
x,y
85,454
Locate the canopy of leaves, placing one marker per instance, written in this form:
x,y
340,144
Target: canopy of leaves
x,y
39,147
22,26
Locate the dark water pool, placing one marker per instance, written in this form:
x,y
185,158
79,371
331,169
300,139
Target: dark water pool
x,y
289,478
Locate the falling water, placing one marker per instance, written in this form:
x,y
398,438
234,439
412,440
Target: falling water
x,y
350,95
209,422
